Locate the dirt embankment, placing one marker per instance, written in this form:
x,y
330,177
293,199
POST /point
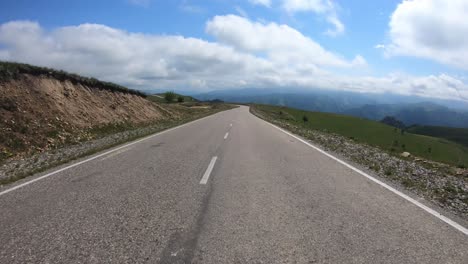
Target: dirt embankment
x,y
41,112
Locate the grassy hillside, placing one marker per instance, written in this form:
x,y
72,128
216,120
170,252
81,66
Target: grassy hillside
x,y
159,98
458,135
11,70
373,133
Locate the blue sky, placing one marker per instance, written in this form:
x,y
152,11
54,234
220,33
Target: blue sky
x,y
368,46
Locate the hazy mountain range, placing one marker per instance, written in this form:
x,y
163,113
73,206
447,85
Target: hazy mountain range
x,y
409,109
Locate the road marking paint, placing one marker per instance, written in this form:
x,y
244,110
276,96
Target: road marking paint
x,y
227,134
98,156
386,186
230,125
208,171
115,154
174,254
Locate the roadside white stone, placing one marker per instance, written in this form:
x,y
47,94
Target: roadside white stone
x,y
405,154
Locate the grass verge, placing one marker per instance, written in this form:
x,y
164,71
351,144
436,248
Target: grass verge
x,y
372,133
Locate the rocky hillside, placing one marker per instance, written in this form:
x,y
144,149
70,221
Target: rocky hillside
x,y
42,109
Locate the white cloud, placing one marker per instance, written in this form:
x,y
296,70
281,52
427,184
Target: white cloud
x,y
321,7
241,11
432,29
436,86
338,29
379,46
281,43
137,60
245,54
266,3
318,6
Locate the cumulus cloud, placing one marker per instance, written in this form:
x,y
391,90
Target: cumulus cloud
x,y
431,29
244,54
321,7
281,43
266,3
435,86
129,58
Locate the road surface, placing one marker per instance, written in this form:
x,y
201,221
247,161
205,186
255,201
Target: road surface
x,y
229,188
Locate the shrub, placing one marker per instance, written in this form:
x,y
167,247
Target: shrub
x,y
392,121
388,171
169,96
180,99
305,118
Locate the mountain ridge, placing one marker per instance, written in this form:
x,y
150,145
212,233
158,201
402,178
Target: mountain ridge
x,y
411,110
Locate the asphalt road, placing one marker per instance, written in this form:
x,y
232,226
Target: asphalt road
x,y
269,198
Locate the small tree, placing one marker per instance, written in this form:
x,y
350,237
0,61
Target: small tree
x,y
169,96
180,99
392,121
305,119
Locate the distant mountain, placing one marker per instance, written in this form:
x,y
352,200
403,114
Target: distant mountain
x,y
321,100
317,100
424,113
409,109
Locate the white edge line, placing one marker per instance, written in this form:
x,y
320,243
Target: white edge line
x,y
386,186
208,171
116,153
226,135
98,156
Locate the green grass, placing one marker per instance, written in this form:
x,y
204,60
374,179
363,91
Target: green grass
x,y
372,133
458,135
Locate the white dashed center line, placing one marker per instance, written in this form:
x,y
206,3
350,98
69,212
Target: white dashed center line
x,y
208,171
226,136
